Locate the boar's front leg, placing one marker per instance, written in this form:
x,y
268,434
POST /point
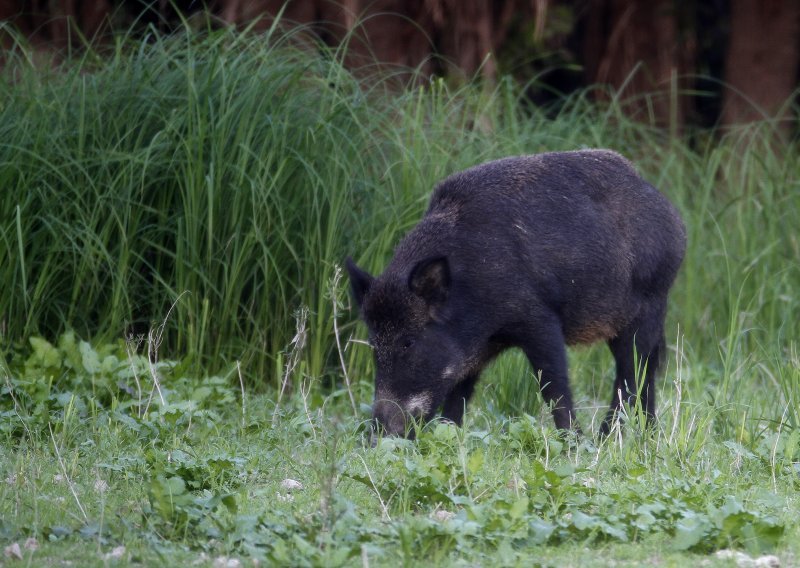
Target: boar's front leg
x,y
456,401
544,346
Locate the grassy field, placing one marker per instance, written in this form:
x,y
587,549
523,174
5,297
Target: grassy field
x,y
174,214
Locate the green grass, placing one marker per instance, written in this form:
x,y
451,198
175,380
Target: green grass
x,y
95,461
228,175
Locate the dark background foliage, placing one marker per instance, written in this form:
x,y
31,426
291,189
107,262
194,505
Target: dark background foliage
x,y
676,64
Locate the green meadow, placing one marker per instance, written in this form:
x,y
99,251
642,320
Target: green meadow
x,y
184,381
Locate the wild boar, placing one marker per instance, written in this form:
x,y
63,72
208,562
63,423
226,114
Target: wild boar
x,y
535,252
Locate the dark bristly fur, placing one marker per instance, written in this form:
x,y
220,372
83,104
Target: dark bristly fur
x,y
532,252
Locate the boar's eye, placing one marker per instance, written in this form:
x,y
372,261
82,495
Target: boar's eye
x,y
408,343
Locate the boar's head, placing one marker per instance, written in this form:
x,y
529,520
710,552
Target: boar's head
x,y
416,351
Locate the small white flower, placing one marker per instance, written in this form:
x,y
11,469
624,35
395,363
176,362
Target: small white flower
x,y
31,544
116,553
13,551
291,485
442,516
768,561
742,560
100,486
225,562
285,497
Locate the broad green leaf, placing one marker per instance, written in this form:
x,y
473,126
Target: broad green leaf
x,y
69,347
541,530
519,508
582,521
44,354
690,531
89,358
475,461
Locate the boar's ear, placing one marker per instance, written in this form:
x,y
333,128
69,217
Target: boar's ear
x,y
430,280
360,281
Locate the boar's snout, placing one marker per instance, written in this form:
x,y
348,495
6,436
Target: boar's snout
x,y
389,418
394,418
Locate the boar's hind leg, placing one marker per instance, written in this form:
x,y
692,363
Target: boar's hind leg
x,y
646,334
455,402
545,348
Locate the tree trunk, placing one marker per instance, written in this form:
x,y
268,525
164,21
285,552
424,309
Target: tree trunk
x,y
243,12
467,31
635,46
8,13
762,61
393,32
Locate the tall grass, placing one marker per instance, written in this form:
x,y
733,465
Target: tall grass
x,y
232,172
222,169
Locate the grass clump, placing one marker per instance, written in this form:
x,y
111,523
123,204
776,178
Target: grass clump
x,y
218,172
